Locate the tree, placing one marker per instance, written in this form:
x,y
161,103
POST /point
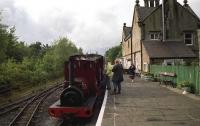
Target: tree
x,y
10,47
3,41
22,65
53,60
113,53
63,49
20,51
36,49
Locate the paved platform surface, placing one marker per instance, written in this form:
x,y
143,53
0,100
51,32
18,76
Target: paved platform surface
x,y
145,103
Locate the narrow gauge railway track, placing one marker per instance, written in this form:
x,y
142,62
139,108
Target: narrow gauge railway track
x,y
25,116
11,107
14,106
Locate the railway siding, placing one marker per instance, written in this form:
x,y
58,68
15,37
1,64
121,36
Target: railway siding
x,y
24,112
25,116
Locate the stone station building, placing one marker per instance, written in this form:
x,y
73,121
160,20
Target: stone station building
x,y
157,39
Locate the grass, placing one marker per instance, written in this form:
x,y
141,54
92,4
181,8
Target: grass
x,y
26,91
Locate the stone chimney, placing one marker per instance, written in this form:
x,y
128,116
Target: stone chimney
x,y
172,3
146,3
157,2
151,3
171,21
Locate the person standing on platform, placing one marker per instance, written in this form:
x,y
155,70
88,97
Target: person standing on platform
x,y
117,77
131,72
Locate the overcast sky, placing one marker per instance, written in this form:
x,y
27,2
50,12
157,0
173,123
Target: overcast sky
x,y
94,25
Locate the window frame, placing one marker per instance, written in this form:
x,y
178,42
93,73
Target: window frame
x,y
192,38
155,35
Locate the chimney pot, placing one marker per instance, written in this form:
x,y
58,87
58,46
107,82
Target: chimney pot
x,y
137,2
124,24
185,2
157,3
146,3
151,3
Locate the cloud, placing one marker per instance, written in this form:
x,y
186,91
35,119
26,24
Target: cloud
x,y
48,28
89,25
94,25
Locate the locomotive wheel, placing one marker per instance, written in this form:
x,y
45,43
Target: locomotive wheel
x,y
71,96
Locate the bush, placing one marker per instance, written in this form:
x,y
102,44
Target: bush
x,y
185,84
37,70
147,74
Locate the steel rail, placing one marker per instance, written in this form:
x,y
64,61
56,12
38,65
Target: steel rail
x,y
13,122
38,105
11,107
35,99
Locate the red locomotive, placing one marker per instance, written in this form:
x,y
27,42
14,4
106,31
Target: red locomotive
x,y
83,85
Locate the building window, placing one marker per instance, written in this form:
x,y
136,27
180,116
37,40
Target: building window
x,y
188,38
155,36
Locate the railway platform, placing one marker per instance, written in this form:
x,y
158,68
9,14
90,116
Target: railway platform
x,y
144,103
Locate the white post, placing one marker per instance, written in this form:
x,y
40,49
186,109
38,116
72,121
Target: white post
x,y
163,20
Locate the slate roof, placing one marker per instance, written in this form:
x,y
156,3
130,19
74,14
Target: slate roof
x,y
127,32
168,49
191,11
144,12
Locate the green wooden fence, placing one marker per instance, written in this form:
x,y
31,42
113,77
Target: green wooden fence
x,y
184,73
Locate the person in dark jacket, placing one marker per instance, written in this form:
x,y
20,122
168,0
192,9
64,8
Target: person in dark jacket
x,y
131,71
117,77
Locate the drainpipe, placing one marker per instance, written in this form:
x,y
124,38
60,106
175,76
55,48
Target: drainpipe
x,y
141,25
163,20
141,57
198,34
131,50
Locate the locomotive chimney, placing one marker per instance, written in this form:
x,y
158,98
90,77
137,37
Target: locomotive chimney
x,y
70,68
